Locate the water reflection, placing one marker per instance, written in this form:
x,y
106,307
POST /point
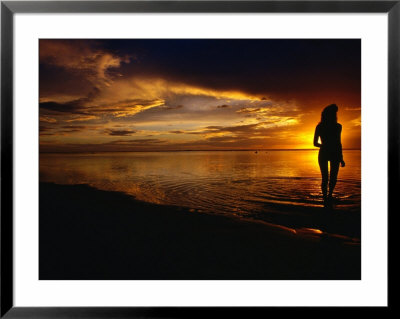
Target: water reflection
x,y
233,182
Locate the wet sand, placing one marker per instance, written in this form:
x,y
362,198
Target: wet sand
x,y
89,234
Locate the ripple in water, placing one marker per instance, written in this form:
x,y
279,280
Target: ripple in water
x,y
239,183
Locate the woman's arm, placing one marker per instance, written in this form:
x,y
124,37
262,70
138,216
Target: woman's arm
x,y
340,146
316,136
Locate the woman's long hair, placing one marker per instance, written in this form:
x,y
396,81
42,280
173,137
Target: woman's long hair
x,y
329,115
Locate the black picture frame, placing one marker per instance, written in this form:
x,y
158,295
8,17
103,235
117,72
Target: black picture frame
x,y
9,8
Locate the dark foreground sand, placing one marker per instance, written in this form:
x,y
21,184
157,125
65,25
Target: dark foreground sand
x,y
85,233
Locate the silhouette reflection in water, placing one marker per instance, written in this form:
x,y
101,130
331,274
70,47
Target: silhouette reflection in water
x,y
328,131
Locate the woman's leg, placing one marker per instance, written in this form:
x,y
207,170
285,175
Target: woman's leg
x,y
323,166
333,176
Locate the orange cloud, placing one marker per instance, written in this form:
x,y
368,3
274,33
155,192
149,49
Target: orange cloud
x,y
80,56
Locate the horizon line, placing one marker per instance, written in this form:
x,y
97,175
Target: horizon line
x,y
191,150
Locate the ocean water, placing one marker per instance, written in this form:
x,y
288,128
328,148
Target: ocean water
x,y
243,183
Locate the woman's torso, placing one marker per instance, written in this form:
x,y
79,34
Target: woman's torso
x,y
331,147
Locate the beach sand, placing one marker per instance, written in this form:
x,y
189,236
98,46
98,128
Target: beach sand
x,y
90,234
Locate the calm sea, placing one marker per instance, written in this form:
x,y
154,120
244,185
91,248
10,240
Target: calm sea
x,y
227,182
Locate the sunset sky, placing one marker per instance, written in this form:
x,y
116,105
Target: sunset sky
x,y
137,95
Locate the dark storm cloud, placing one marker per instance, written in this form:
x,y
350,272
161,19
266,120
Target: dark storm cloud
x,y
274,66
120,132
74,127
67,131
44,128
45,131
91,108
254,66
69,107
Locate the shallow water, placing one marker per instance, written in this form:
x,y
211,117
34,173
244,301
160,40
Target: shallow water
x,y
243,183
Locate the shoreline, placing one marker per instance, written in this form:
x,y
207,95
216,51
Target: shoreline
x,y
86,233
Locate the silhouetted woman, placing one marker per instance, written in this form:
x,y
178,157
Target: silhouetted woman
x,y
329,131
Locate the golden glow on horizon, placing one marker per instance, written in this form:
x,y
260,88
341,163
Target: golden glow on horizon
x,y
306,139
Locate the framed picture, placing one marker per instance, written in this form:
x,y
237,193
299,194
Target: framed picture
x,y
188,158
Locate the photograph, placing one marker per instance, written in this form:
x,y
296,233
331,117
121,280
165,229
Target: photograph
x,y
199,159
